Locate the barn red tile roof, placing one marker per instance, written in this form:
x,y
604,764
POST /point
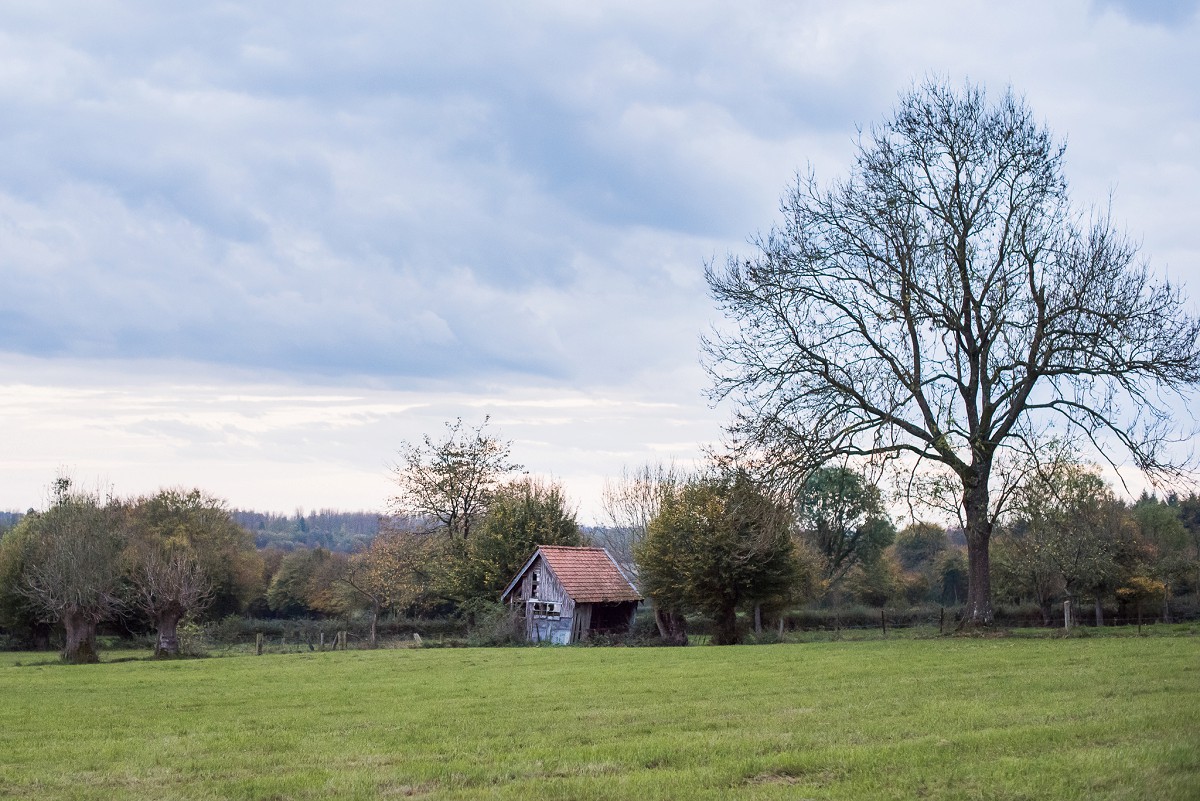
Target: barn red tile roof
x,y
589,575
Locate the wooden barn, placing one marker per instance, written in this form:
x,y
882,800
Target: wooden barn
x,y
567,594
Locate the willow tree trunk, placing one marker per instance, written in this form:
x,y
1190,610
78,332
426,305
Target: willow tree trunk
x,y
168,634
725,631
672,626
80,648
979,536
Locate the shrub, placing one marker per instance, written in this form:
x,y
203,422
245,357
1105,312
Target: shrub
x,y
493,624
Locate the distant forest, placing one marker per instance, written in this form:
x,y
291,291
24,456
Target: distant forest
x,y
324,528
344,532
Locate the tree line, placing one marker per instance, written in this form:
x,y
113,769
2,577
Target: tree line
x,y
712,543
464,520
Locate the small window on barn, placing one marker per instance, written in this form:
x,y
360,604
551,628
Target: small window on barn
x,y
546,609
533,584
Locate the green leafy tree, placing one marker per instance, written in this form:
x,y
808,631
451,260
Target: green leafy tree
x,y
1069,536
393,572
19,616
919,550
307,584
1189,513
1024,570
522,515
950,577
716,545
1168,547
1140,590
841,514
945,305
451,482
878,582
183,554
918,545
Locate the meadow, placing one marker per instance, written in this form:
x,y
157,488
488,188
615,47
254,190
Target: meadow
x,y
940,718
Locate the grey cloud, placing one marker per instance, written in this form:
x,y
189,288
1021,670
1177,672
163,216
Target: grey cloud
x,y
1156,12
425,191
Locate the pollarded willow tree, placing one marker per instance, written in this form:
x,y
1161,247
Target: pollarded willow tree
x,y
184,549
72,570
946,303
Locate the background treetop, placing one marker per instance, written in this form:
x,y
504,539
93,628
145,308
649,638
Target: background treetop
x,y
451,481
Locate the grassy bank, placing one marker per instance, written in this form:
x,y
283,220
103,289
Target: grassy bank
x,y
972,718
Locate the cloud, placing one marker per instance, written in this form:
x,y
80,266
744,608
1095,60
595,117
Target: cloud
x,y
1156,12
492,200
275,444
398,193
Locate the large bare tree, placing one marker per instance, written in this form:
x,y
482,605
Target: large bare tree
x,y
943,304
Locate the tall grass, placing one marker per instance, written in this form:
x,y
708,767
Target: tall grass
x,y
934,718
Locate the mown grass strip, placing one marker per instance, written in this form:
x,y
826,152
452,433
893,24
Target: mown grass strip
x,y
947,718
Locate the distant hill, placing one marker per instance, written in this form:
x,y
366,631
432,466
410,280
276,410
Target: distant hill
x,y
9,519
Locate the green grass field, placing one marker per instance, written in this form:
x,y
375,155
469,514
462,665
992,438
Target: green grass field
x,y
1006,718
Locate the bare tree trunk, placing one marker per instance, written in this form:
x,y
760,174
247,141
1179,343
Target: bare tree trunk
x,y
1099,612
374,623
80,648
672,626
979,535
168,634
758,618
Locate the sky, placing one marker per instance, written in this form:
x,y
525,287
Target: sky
x,y
255,247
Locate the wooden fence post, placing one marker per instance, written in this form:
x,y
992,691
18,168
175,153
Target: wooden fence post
x,y
942,621
883,620
322,641
258,644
